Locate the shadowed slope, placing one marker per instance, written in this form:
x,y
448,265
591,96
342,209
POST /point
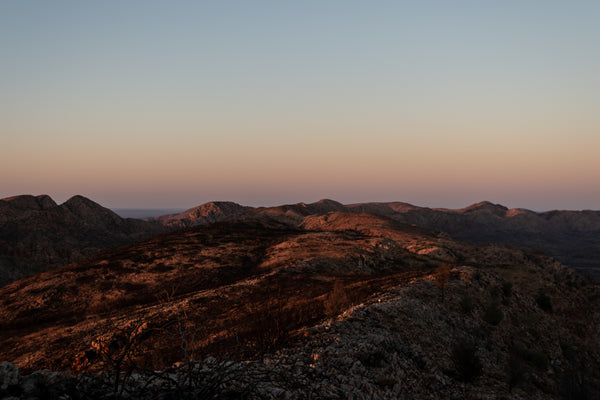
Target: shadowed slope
x,y
36,234
343,304
230,274
573,237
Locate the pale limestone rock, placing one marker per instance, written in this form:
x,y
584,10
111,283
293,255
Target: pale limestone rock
x,y
9,375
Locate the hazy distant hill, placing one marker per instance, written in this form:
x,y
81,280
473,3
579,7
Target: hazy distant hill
x,y
145,213
204,214
573,237
36,234
216,211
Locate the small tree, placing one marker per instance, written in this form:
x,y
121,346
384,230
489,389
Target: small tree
x,y
493,315
336,299
507,288
441,275
466,303
467,363
118,351
544,302
515,370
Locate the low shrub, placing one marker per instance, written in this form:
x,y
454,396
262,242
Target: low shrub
x,y
573,386
538,359
467,304
385,381
544,302
495,292
466,362
534,357
493,314
336,300
515,370
372,359
568,350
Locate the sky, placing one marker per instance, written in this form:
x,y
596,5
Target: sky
x,y
152,104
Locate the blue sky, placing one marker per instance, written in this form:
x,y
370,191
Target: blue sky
x,y
171,104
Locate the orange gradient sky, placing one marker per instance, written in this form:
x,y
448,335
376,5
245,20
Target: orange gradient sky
x,y
156,104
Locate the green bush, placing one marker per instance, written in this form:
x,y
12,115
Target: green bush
x,y
515,370
493,314
574,386
538,359
466,303
534,357
568,350
544,302
507,288
441,276
337,300
372,359
495,292
386,381
466,363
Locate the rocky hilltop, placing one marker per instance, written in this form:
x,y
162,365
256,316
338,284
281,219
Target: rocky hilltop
x,y
207,213
573,237
36,234
332,305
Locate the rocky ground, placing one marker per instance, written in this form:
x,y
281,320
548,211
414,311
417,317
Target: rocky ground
x,y
326,306
403,343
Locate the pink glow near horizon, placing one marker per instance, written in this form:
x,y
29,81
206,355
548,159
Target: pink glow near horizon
x,y
265,105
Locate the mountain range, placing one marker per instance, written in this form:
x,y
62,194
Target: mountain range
x,y
36,234
573,237
319,300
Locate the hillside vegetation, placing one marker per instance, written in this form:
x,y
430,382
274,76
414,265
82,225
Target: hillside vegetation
x,y
325,305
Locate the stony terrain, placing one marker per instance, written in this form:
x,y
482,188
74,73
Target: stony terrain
x,y
36,234
289,304
573,237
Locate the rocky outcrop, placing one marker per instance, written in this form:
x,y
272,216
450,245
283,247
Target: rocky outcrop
x,y
19,207
29,202
9,375
38,385
207,213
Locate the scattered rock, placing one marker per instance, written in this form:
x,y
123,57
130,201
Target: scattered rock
x,y
9,375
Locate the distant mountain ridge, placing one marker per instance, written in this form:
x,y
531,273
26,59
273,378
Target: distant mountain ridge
x,y
573,237
332,296
207,213
36,234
